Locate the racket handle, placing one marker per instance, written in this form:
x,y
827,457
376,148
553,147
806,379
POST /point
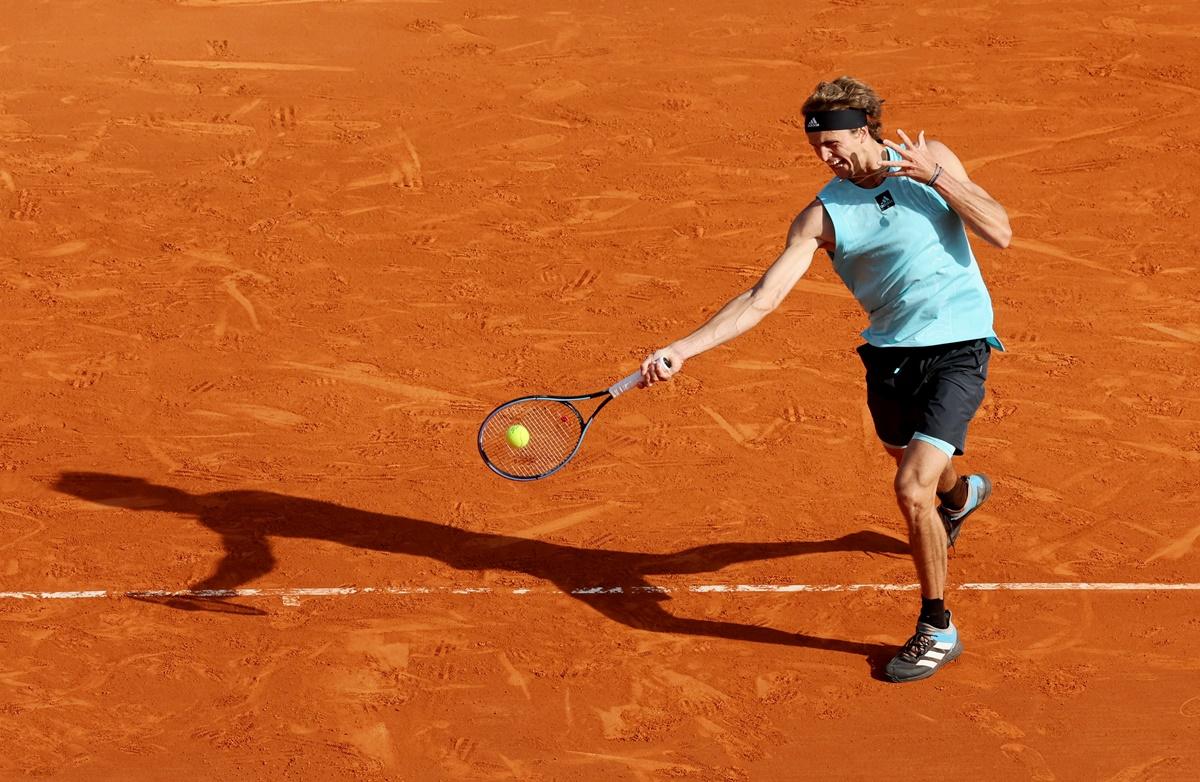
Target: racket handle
x,y
621,386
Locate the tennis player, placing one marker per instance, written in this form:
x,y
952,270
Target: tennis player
x,y
894,222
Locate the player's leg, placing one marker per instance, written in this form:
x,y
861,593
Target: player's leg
x,y
895,379
916,493
936,641
954,391
958,495
951,391
951,487
951,490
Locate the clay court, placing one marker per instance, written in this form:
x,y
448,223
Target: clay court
x,y
266,264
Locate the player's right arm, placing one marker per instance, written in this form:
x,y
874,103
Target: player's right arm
x,y
811,230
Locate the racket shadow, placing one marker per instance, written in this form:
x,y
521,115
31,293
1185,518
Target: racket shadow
x,y
246,521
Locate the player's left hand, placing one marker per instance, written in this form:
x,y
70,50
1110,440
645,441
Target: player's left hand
x,y
916,161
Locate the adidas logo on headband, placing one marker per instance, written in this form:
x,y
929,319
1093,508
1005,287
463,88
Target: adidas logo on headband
x,y
835,119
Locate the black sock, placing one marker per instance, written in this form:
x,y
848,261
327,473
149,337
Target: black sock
x,y
956,498
933,612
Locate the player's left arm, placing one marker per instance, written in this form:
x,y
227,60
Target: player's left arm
x,y
984,215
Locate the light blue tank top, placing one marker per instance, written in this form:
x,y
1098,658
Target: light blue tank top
x,y
903,253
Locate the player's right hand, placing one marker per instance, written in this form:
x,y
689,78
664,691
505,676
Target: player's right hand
x,y
653,370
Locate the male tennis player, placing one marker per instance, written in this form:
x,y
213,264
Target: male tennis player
x,y
893,221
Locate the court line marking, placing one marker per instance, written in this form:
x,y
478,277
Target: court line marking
x,y
299,592
227,65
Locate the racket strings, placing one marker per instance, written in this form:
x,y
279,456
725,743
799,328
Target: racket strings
x,y
554,427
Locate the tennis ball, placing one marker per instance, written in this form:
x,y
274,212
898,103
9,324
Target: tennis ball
x,y
517,436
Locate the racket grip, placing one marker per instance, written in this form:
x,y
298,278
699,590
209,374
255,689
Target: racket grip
x,y
623,385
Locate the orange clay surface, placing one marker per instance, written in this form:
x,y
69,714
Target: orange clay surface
x,y
264,266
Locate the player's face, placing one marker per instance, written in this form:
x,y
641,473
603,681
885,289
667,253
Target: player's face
x,y
844,151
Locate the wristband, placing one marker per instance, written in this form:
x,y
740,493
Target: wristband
x,y
937,172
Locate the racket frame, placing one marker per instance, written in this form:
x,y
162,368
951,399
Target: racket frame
x,y
612,392
566,401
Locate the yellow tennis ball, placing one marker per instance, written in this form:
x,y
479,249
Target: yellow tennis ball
x,y
517,436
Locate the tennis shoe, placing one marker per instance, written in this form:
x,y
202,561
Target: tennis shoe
x,y
979,488
929,649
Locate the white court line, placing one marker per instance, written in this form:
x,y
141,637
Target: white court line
x,y
298,592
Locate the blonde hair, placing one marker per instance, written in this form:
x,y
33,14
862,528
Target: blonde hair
x,y
846,92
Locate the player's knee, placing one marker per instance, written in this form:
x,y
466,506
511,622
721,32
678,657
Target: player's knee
x,y
914,496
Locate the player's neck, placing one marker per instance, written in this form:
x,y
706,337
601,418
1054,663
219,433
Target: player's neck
x,y
876,172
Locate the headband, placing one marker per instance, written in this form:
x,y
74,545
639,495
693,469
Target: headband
x,y
838,119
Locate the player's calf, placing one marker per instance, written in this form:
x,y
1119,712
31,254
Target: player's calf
x,y
978,489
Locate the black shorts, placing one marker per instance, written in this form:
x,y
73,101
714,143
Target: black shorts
x,y
932,392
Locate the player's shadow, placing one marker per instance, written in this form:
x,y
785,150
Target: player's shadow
x,y
247,520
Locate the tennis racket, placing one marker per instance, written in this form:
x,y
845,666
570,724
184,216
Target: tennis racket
x,y
554,426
